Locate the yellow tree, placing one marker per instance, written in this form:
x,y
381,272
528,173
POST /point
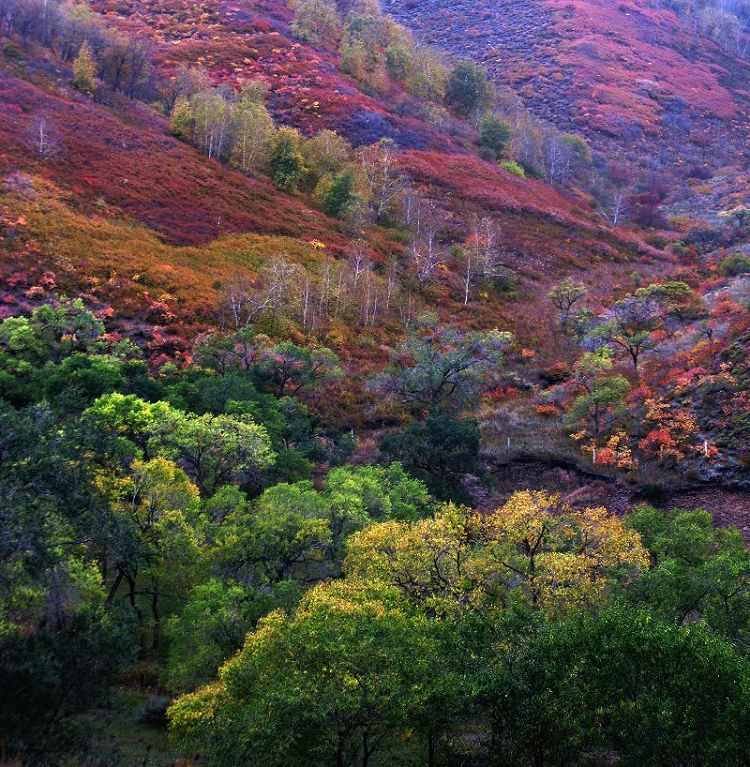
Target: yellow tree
x,y
555,557
84,69
427,560
534,550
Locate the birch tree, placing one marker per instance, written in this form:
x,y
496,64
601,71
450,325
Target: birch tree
x,y
425,251
383,179
44,138
253,134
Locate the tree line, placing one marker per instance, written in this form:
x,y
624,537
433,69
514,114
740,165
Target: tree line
x,y
121,62
726,21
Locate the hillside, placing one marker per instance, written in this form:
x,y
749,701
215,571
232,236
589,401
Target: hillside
x,y
117,159
158,237
363,404
248,39
124,158
631,77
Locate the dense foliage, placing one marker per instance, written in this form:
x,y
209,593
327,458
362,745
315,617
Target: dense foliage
x,y
517,623
336,451
171,521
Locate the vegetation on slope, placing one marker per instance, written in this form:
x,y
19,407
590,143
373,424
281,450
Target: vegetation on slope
x,y
284,295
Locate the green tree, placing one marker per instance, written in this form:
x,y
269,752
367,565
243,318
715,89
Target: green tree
x,y
468,90
208,630
699,571
494,134
441,369
334,684
564,296
19,337
74,383
438,449
428,76
214,449
22,355
625,685
284,535
290,369
339,194
60,653
734,265
231,351
362,50
601,405
678,301
60,649
265,553
262,555
127,420
513,167
253,131
212,625
181,119
159,558
317,22
399,60
51,332
286,163
213,116
326,153
628,325
357,496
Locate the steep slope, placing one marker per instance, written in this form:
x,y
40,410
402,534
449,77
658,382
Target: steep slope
x,y
130,160
632,79
152,232
244,40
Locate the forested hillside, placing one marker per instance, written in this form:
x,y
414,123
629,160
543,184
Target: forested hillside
x,y
373,388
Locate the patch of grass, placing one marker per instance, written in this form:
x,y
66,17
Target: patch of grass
x,y
119,738
113,255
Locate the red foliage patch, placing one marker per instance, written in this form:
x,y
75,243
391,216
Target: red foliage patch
x,y
137,166
632,78
485,183
242,40
641,65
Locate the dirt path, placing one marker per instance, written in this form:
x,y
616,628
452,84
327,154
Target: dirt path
x,y
730,508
